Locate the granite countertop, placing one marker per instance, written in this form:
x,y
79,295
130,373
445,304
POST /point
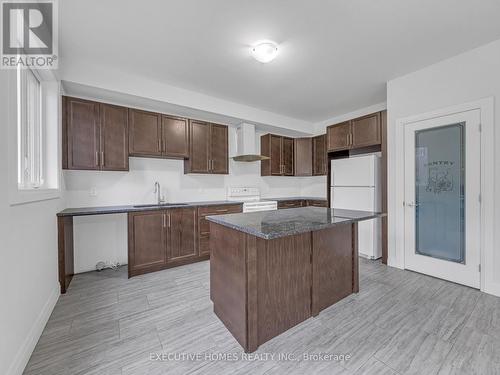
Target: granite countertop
x,y
85,211
281,223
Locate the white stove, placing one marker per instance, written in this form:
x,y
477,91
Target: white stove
x,y
250,196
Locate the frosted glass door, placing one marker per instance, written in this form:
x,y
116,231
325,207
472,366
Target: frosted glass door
x,y
439,192
442,215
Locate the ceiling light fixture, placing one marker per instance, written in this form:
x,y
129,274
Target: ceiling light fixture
x,y
264,51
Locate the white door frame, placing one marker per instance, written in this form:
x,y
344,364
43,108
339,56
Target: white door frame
x,y
486,107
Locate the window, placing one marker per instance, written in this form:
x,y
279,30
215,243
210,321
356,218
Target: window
x,y
30,134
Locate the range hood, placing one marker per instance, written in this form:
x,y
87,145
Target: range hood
x,y
245,134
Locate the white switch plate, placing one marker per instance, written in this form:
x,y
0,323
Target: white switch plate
x,y
93,192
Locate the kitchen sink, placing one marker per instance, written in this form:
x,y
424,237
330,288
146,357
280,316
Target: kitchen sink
x,y
159,205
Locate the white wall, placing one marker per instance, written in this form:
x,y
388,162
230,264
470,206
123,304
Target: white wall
x,y
465,78
105,237
28,267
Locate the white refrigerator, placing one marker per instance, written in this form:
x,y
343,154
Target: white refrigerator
x,y
355,185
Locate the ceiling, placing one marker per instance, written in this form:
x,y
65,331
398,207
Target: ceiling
x,y
334,57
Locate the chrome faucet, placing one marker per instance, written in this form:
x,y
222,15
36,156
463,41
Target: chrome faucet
x,y
159,197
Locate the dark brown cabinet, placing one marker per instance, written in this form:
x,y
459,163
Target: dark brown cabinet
x,y
291,204
319,156
204,224
156,135
175,137
280,150
95,135
294,203
147,242
317,203
339,136
145,133
208,149
303,155
161,239
182,233
361,132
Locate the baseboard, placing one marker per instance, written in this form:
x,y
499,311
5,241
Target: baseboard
x,y
24,353
492,288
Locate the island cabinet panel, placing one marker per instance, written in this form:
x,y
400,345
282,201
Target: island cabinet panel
x,y
303,156
145,133
181,223
147,247
228,280
332,266
204,225
317,203
320,162
208,149
114,137
82,134
175,137
283,284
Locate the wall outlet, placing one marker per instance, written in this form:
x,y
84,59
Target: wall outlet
x,y
93,192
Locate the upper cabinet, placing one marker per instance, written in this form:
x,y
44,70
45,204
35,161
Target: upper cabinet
x,y
280,150
156,135
303,155
208,148
145,133
362,132
319,163
95,135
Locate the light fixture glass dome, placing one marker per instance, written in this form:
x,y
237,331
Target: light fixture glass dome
x,y
265,51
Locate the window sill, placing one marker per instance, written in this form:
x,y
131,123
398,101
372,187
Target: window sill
x,y
29,196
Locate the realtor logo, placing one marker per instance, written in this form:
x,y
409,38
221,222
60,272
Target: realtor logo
x,y
29,34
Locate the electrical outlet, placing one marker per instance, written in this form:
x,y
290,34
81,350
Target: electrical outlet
x,y
93,192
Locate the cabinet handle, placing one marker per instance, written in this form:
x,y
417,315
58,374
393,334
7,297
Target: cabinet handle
x,y
97,158
169,220
164,220
222,210
102,158
159,145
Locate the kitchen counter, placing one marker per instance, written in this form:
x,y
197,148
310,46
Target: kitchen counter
x,y
280,223
123,209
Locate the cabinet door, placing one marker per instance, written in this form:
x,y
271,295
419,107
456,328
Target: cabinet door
x,y
338,136
145,133
290,204
82,134
114,137
218,149
288,152
303,156
366,131
147,244
276,155
204,224
319,155
182,238
199,148
175,137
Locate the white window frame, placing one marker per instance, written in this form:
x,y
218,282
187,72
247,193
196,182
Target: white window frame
x,y
25,190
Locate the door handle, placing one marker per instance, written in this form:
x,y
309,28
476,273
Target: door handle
x,y
164,220
159,145
97,158
169,220
102,158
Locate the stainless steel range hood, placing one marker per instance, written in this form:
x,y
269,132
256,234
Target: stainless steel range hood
x,y
245,134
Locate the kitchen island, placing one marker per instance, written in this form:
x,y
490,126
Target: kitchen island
x,y
271,270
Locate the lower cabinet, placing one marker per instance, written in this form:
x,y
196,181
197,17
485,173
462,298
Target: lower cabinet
x,y
204,224
161,239
294,203
290,204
